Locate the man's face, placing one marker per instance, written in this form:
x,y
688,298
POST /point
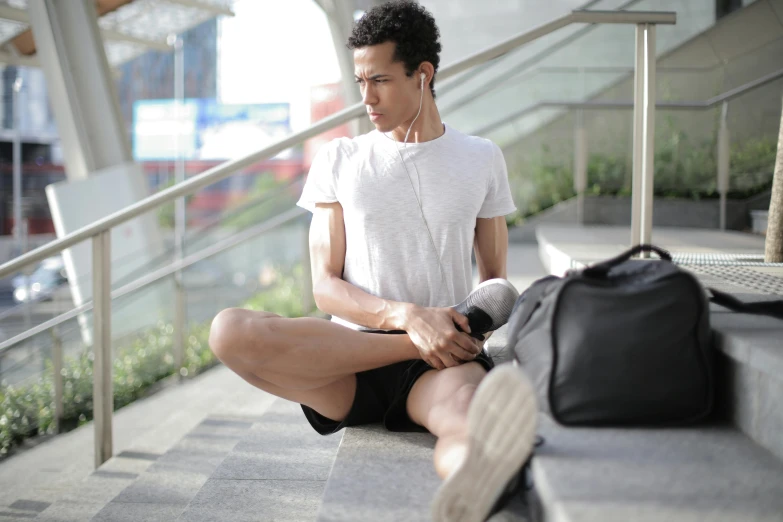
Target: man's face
x,y
391,97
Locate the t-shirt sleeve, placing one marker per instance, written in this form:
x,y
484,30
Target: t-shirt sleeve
x,y
321,184
498,201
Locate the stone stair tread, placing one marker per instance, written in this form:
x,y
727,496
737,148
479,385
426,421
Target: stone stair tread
x,y
380,476
144,486
753,340
709,472
140,485
276,472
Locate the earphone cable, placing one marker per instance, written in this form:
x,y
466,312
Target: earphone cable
x,y
415,194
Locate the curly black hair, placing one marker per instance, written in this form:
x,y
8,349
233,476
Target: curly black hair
x,y
409,25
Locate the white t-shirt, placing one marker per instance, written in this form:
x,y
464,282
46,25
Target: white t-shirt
x,y
389,253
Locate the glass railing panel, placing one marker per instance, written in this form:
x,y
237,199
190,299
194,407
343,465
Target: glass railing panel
x,y
540,161
263,272
588,65
524,58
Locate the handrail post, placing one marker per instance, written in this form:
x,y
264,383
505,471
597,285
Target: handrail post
x,y
102,393
723,162
57,378
580,166
178,341
648,170
643,136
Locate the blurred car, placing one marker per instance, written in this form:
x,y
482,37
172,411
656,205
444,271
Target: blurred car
x,y
47,277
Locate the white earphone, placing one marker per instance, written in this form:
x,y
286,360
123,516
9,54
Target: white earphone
x,y
423,77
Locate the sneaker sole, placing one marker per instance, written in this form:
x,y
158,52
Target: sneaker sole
x,y
489,282
496,281
501,431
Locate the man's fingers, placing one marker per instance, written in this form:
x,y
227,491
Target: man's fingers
x,y
435,363
468,343
460,319
466,353
447,360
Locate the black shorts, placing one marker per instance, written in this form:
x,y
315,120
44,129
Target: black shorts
x,y
382,395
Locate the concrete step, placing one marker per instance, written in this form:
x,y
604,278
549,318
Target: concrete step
x,y
56,470
148,486
226,468
385,476
681,475
277,472
749,379
380,476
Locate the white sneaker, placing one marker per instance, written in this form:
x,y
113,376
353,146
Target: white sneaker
x,y
488,306
501,430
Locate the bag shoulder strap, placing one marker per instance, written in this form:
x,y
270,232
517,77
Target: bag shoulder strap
x,y
600,270
771,308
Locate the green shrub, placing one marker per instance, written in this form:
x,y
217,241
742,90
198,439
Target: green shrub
x,y
683,169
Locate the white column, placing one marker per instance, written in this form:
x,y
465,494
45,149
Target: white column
x,y
340,15
80,85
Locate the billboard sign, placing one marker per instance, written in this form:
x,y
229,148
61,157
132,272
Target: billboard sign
x,y
208,130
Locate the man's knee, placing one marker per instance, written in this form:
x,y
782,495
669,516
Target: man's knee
x,y
460,401
231,327
440,401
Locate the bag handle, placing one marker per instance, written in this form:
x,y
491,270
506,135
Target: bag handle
x,y
771,308
600,270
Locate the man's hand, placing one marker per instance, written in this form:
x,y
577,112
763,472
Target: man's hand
x,y
439,342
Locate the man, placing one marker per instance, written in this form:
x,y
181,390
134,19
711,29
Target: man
x,y
395,215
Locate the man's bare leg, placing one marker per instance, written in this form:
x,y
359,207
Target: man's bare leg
x,y
314,362
306,360
439,401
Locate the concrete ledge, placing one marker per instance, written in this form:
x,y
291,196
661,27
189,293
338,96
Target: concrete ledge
x,y
277,471
380,476
707,473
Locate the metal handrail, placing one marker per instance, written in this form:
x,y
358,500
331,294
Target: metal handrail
x,y
210,224
219,172
529,75
608,105
99,231
157,275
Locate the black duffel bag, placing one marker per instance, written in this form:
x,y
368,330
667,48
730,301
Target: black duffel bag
x,y
623,342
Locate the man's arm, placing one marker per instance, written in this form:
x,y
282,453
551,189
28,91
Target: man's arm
x,y
491,246
431,329
335,296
